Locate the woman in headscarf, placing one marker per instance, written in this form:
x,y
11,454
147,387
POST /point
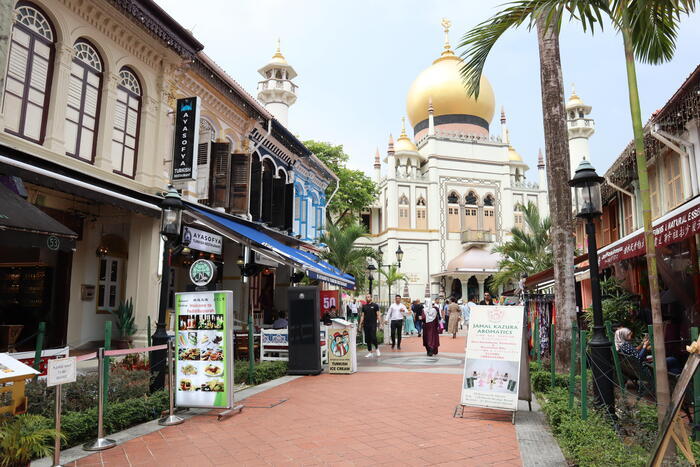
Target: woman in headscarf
x,y
409,322
624,346
431,339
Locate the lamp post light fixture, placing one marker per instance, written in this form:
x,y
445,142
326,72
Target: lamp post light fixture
x,y
588,204
370,276
399,256
171,221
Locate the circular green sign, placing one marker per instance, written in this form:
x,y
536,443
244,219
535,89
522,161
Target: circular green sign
x,y
202,272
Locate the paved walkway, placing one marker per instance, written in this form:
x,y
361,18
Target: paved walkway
x,y
387,413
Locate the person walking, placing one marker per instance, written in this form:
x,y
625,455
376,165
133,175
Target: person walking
x,y
488,300
467,311
417,309
455,314
395,315
445,313
353,311
431,338
369,321
410,323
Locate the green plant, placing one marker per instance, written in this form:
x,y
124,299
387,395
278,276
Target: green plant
x,y
264,371
618,306
125,318
24,438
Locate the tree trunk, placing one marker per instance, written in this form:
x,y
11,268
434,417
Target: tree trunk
x,y
6,17
558,174
661,376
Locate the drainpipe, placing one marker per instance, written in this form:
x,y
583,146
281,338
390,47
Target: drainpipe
x,y
668,140
631,195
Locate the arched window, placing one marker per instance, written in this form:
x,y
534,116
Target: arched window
x,y
421,214
404,213
488,200
84,90
489,213
453,224
471,199
125,136
29,74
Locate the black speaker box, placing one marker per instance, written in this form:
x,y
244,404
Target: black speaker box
x,y
304,331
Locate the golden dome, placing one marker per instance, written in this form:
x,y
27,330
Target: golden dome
x,y
404,143
278,57
443,83
513,155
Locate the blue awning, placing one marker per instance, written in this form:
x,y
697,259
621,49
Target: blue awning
x,y
315,268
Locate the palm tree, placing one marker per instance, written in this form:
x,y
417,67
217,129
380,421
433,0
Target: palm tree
x,y
392,276
342,253
649,29
528,252
477,44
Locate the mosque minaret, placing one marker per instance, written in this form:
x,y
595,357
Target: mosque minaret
x,y
580,129
277,91
453,190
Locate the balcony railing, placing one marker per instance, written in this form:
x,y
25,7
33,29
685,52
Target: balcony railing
x,y
478,236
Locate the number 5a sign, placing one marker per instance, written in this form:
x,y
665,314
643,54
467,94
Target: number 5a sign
x,y
329,298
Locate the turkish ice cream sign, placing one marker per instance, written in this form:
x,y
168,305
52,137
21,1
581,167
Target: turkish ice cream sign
x,y
492,360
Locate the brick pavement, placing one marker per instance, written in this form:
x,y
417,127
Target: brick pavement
x,y
400,418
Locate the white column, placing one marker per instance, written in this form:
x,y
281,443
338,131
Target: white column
x,y
103,156
55,122
481,288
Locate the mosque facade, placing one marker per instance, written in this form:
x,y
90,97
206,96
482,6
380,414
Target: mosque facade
x,y
452,192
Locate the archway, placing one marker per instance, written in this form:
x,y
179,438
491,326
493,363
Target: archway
x,y
456,289
473,288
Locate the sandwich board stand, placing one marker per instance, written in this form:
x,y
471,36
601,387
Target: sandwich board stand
x,y
496,373
304,331
342,347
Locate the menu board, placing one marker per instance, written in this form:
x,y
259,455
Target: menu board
x,y
13,368
492,360
204,349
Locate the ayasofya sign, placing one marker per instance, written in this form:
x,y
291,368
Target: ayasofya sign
x,y
186,139
202,272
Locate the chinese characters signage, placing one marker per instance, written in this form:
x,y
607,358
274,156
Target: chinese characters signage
x,y
186,139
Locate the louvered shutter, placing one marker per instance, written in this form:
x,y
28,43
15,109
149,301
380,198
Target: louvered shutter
x,y
240,173
255,188
267,188
219,175
289,206
278,204
203,170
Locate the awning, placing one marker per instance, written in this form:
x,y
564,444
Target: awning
x,y
24,225
676,225
547,276
315,268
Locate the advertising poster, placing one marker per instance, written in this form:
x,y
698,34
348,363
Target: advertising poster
x,y
492,360
204,349
329,298
342,354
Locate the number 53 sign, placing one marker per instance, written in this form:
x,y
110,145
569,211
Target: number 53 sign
x,y
329,298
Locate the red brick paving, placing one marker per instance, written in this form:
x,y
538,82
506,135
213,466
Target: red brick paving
x,y
415,344
399,418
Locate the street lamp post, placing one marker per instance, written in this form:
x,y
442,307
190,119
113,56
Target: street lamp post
x,y
370,277
399,258
171,220
588,204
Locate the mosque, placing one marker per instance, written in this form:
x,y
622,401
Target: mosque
x,y
453,191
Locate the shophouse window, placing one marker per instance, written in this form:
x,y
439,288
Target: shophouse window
x,y
653,191
109,283
627,212
489,213
125,136
421,214
84,90
674,182
453,224
29,70
404,213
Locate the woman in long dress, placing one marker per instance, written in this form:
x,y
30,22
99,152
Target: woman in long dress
x,y
409,323
431,339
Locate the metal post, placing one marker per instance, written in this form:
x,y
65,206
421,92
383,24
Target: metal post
x,y
584,374
107,346
551,355
696,391
650,330
601,355
251,347
572,365
101,443
160,337
616,358
148,331
39,345
57,438
171,419
370,286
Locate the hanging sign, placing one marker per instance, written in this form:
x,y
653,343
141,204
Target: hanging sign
x,y
202,272
196,239
186,139
492,360
204,349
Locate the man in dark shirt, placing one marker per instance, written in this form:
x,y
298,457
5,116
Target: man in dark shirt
x,y
487,299
417,309
368,322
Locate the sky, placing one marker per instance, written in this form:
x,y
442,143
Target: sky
x,y
356,60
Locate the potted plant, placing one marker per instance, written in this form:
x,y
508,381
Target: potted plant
x,y
24,438
125,323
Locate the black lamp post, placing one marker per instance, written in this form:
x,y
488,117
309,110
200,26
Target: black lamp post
x,y
370,277
171,220
588,204
399,256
